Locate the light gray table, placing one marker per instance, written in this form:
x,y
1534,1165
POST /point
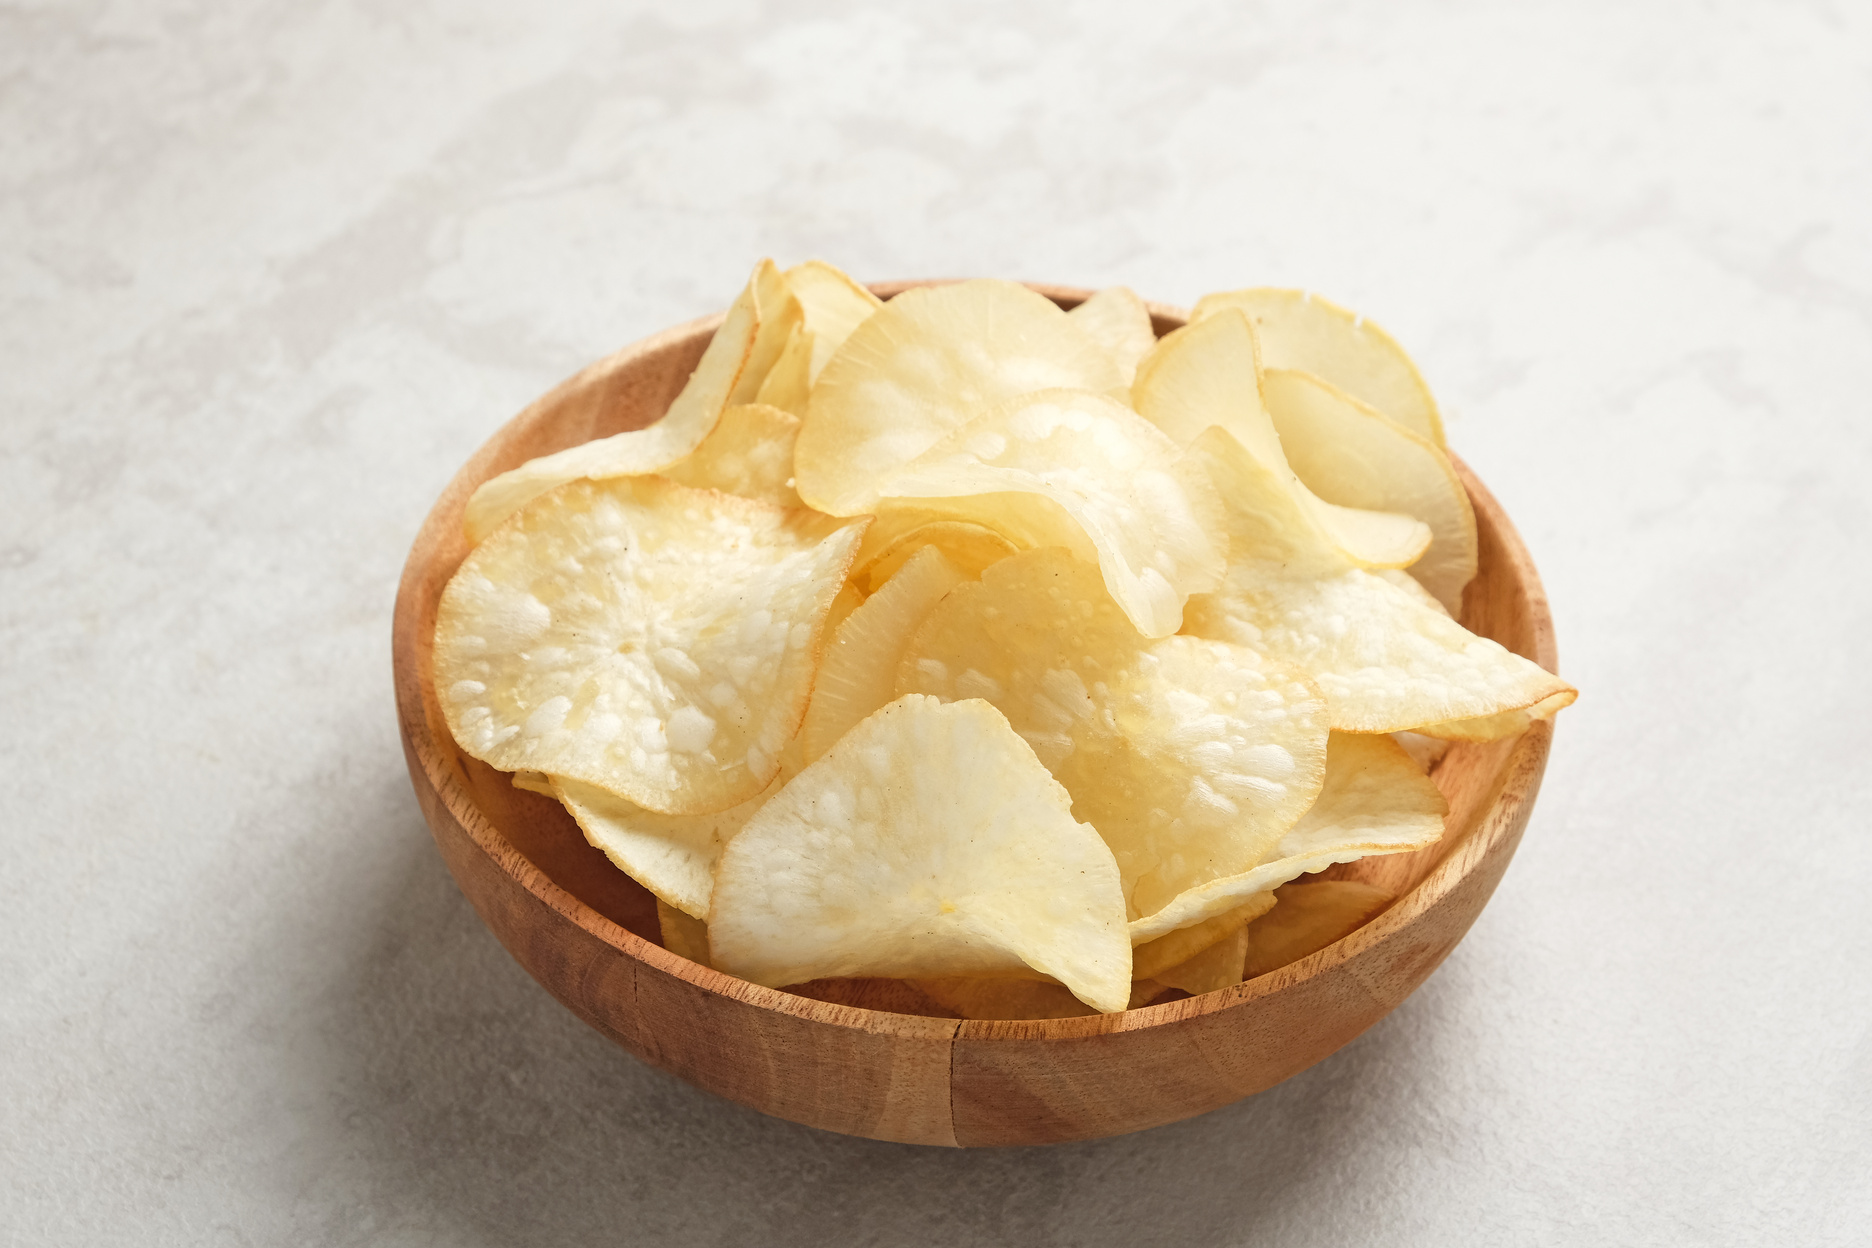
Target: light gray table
x,y
269,272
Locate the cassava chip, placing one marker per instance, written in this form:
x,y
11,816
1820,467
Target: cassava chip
x,y
1215,968
968,547
1190,758
927,842
1307,918
1303,331
1350,453
749,452
833,304
1374,801
655,641
1131,501
1118,321
689,419
789,381
1172,949
780,318
683,935
1385,659
1207,375
858,673
922,365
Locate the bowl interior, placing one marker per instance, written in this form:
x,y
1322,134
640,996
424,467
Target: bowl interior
x,y
633,388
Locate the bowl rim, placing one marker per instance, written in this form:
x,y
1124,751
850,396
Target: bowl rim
x,y
1525,762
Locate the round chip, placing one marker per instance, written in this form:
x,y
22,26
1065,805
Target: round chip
x,y
1350,453
922,365
1128,497
1118,321
1374,801
688,421
927,842
655,641
749,452
1190,758
1301,330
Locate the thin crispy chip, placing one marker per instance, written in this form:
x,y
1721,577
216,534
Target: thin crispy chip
x,y
1215,968
789,381
1375,801
1150,959
922,365
858,673
1307,918
1118,321
1004,998
535,782
683,935
1303,331
969,547
1190,758
834,306
749,452
652,640
1148,515
928,842
1208,375
780,318
1384,658
1350,453
689,419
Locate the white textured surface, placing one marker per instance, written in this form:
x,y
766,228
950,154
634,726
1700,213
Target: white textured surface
x,y
269,272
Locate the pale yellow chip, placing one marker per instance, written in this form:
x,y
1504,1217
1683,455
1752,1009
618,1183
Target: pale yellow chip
x,y
789,381
690,417
1004,998
671,855
1375,801
1303,331
1207,375
924,364
1425,751
858,673
928,842
1384,657
1118,321
1307,918
683,935
1191,758
1130,499
780,318
1215,968
903,531
1348,452
535,782
655,641
833,304
1150,959
749,452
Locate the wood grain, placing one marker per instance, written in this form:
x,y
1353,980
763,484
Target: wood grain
x,y
847,1056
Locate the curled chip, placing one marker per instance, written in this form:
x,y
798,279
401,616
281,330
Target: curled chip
x,y
1349,453
833,305
1215,968
858,674
1307,918
969,547
749,452
1190,758
649,639
1118,321
927,842
1152,958
1208,375
1374,801
922,365
789,381
1303,331
1121,493
1386,659
690,417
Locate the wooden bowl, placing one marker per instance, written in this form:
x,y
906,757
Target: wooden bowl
x,y
589,933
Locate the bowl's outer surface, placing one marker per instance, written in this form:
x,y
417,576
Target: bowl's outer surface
x,y
589,934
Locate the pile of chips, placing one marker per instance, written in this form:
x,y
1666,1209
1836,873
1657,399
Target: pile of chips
x,y
1005,650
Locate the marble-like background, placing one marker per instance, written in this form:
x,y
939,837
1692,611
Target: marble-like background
x,y
270,271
